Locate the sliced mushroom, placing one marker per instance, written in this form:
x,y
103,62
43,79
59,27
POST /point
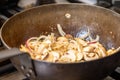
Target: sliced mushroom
x,y
82,42
62,39
99,49
44,54
88,49
52,56
90,56
79,56
69,56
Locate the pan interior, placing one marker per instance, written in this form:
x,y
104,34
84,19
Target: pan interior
x,y
79,19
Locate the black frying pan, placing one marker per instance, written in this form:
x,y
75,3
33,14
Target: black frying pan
x,y
43,19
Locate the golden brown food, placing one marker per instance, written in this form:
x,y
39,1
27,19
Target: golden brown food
x,y
64,48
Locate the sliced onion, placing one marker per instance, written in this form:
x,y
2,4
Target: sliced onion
x,y
62,33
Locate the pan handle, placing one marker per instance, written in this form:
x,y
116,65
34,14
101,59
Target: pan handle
x,y
25,61
8,53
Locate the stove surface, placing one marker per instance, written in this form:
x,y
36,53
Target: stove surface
x,y
13,76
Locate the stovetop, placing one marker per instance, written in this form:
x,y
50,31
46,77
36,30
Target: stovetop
x,y
7,71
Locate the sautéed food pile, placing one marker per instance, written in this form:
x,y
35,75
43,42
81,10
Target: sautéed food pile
x,y
65,48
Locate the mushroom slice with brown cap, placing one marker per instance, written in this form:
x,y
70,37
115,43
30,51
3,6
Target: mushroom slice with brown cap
x,y
90,56
99,49
88,49
69,56
53,56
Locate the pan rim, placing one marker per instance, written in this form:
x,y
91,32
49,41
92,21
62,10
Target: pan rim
x,y
27,10
24,11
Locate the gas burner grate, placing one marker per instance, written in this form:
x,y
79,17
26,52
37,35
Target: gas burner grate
x,y
9,12
115,75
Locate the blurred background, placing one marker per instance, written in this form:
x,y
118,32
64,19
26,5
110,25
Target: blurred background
x,y
10,7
